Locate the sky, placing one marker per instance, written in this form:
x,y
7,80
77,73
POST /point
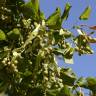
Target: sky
x,y
84,65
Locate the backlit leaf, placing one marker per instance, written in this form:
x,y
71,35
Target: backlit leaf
x,y
35,5
14,34
54,21
65,33
85,15
2,35
68,61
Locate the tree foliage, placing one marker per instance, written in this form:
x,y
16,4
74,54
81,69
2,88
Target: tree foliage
x,y
29,46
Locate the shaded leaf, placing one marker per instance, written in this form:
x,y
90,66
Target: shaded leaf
x,y
65,91
67,76
91,83
27,10
3,86
56,37
88,83
27,73
81,82
85,15
52,92
58,51
3,54
79,93
31,9
68,55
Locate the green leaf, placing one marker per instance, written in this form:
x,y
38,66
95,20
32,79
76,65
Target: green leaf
x,y
91,83
57,37
66,11
85,15
54,21
26,23
32,35
89,50
52,92
27,73
82,42
68,61
88,83
81,82
14,34
2,35
67,76
68,54
42,16
27,10
58,51
65,91
3,54
65,33
79,93
31,9
91,40
35,5
3,86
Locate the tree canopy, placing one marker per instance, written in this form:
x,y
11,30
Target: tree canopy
x,y
29,46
